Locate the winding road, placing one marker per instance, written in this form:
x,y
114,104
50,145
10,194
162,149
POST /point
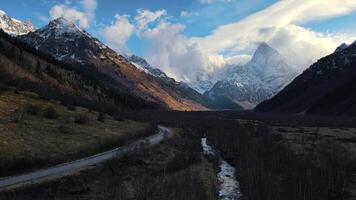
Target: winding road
x,y
78,165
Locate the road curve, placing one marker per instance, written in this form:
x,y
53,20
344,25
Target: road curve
x,y
78,165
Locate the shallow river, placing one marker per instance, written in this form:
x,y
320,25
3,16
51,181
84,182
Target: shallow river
x,y
229,188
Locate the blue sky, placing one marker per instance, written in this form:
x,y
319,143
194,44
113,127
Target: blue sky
x,y
205,16
204,19
186,36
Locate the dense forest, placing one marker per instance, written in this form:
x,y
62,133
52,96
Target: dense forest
x,y
25,68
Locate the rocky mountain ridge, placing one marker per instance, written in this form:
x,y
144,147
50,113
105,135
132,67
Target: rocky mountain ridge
x,y
261,78
13,26
325,87
68,43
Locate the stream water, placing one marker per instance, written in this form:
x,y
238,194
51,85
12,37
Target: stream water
x,y
229,188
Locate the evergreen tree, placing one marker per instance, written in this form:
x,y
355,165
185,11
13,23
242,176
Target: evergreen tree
x,y
38,67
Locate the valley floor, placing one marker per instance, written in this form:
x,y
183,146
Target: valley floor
x,y
274,160
173,170
29,139
305,139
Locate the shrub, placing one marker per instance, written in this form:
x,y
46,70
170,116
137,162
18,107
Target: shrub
x,y
101,117
65,129
3,87
68,120
81,119
183,160
17,116
118,118
38,67
33,109
51,113
71,107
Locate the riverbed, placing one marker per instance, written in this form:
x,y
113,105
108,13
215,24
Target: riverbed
x,y
229,188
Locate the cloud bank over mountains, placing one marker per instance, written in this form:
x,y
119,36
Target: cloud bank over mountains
x,y
282,25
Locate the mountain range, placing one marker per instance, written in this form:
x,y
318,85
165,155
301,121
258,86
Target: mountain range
x,y
244,87
258,80
66,42
326,87
74,59
14,26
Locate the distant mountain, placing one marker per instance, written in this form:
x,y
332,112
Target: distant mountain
x,y
202,82
68,43
182,88
261,78
327,87
143,65
341,47
13,26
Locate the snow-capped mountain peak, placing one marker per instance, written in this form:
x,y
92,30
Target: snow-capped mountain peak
x,y
62,23
261,78
2,13
326,87
61,27
265,56
264,49
65,41
13,26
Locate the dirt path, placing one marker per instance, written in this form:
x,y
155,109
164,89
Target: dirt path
x,y
78,165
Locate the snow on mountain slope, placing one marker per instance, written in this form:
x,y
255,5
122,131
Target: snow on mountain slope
x,y
261,78
13,26
180,87
327,86
202,82
67,42
143,65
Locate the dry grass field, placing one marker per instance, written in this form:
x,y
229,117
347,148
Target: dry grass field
x,y
40,139
303,139
174,169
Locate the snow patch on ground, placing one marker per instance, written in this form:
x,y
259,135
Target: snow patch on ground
x,y
229,188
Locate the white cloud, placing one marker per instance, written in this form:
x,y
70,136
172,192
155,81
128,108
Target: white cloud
x,y
213,1
174,53
89,5
117,34
185,13
145,16
70,14
280,24
238,59
167,47
300,45
84,18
